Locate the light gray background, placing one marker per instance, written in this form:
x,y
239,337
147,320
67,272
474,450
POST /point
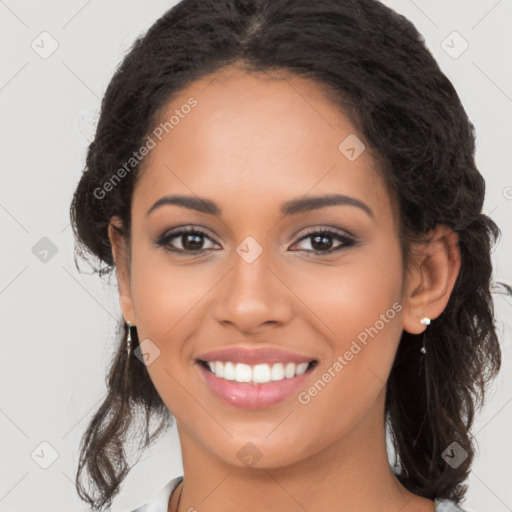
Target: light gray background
x,y
57,323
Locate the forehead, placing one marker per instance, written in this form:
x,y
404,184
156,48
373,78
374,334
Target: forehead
x,y
249,139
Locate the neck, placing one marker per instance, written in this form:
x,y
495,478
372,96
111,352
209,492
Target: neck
x,y
352,474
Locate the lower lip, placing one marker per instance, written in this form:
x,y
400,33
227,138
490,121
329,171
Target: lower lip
x,y
253,396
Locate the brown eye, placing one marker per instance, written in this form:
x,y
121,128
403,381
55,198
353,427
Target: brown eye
x,y
321,241
189,240
192,241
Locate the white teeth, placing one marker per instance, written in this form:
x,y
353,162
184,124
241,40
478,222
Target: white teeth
x,y
229,371
243,372
257,374
261,373
301,368
277,372
289,370
219,369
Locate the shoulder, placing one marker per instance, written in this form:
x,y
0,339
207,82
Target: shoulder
x,y
160,501
443,505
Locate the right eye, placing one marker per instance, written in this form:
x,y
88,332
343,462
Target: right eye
x,y
191,241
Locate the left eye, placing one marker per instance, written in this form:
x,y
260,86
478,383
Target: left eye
x,y
192,241
320,241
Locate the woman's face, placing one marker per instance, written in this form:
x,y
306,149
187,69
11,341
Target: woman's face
x,y
253,275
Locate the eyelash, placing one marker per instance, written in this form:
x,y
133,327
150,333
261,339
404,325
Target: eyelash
x,y
165,239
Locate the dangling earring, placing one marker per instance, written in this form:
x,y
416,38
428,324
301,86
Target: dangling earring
x,y
129,340
127,364
425,321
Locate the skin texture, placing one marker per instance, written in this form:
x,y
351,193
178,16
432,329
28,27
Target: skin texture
x,y
250,144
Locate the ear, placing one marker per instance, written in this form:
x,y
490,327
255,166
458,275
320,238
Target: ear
x,y
118,243
430,280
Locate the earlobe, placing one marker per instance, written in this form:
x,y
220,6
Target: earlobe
x,y
120,255
429,284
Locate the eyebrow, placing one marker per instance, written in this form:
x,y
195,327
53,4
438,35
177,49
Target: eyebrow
x,y
292,207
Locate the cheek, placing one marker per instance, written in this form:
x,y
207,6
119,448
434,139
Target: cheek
x,y
362,292
170,299
164,292
360,310
167,301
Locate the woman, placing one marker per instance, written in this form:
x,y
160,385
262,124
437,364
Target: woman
x,y
288,194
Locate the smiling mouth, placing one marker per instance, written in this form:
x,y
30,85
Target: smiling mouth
x,y
258,373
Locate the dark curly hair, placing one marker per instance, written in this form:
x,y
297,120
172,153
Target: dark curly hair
x,y
377,69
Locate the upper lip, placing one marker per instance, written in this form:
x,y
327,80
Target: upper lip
x,y
254,356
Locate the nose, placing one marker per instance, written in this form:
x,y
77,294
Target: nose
x,y
253,295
